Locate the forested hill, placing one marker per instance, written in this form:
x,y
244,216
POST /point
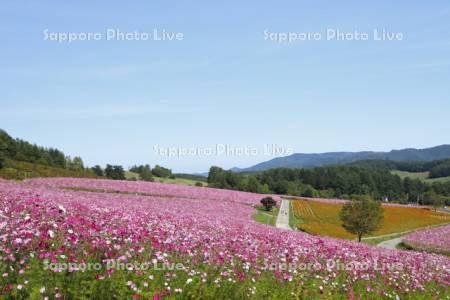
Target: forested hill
x,y
20,150
20,159
435,168
372,179
308,160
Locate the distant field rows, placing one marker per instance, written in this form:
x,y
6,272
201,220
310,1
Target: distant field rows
x,y
321,218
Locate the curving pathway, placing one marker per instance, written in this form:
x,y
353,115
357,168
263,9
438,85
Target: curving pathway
x,y
390,244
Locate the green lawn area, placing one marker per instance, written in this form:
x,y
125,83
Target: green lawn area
x,y
179,181
131,175
266,217
135,176
419,175
412,175
440,179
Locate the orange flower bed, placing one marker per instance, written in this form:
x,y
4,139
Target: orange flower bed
x,y
323,218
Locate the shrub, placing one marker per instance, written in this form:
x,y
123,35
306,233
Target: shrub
x,y
268,203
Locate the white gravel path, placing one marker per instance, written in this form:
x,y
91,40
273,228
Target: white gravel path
x,y
283,215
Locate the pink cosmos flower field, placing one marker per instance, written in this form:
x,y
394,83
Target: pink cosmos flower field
x,y
433,239
50,235
153,189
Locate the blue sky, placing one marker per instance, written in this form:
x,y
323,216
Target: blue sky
x,y
113,101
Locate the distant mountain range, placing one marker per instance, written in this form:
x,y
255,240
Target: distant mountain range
x,y
309,160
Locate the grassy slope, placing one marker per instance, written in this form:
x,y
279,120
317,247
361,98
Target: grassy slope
x,y
266,217
440,179
412,175
178,181
323,219
132,175
21,170
420,175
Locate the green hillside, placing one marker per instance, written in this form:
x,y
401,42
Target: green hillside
x,y
179,179
19,170
423,176
412,175
439,179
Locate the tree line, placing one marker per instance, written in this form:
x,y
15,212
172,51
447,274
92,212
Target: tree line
x,y
340,181
145,172
23,151
436,168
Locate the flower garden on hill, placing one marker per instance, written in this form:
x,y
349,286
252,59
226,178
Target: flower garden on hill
x,y
178,242
433,240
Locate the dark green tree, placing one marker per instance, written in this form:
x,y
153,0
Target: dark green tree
x,y
3,148
433,199
2,160
361,216
115,172
144,171
77,164
159,171
441,170
97,170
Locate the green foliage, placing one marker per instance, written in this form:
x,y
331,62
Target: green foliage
x,y
255,285
114,172
75,164
268,203
346,181
220,178
98,170
199,184
308,192
361,216
3,148
405,166
2,160
342,180
419,169
19,170
432,198
253,185
442,188
159,171
266,217
16,149
441,170
144,171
